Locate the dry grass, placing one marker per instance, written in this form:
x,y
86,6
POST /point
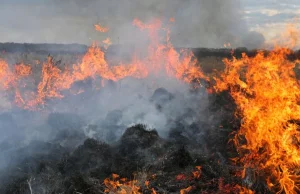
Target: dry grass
x,y
208,64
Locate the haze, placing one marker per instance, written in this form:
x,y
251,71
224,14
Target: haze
x,y
198,23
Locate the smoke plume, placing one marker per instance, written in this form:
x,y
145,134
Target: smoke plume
x,y
198,23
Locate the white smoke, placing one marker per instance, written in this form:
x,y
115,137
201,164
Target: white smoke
x,y
198,23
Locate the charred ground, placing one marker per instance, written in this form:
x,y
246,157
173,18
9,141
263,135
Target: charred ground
x,y
75,163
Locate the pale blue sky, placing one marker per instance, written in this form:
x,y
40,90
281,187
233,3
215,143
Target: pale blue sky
x,y
270,16
69,21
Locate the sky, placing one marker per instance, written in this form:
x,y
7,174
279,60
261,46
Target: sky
x,y
270,17
198,23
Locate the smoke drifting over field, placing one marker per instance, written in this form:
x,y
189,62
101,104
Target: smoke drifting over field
x,y
160,103
129,101
198,23
106,114
100,99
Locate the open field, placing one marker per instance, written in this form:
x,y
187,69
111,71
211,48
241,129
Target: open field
x,y
148,134
29,53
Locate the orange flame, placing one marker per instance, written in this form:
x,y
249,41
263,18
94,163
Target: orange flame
x,y
186,190
162,58
100,28
172,20
107,42
123,186
267,93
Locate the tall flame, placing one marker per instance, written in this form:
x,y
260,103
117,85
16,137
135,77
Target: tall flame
x,y
267,93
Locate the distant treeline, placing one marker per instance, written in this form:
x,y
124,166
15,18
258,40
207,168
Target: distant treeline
x,y
227,53
54,49
42,48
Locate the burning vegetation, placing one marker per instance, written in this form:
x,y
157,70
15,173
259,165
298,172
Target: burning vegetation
x,y
246,142
161,58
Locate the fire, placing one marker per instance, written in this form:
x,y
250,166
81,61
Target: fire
x,y
164,58
100,28
267,93
227,45
123,186
161,59
197,172
172,20
107,42
186,190
11,80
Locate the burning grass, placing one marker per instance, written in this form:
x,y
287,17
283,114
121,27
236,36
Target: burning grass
x,y
256,97
266,91
162,58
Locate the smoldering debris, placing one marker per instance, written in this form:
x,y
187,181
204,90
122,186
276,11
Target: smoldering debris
x,y
83,151
52,169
